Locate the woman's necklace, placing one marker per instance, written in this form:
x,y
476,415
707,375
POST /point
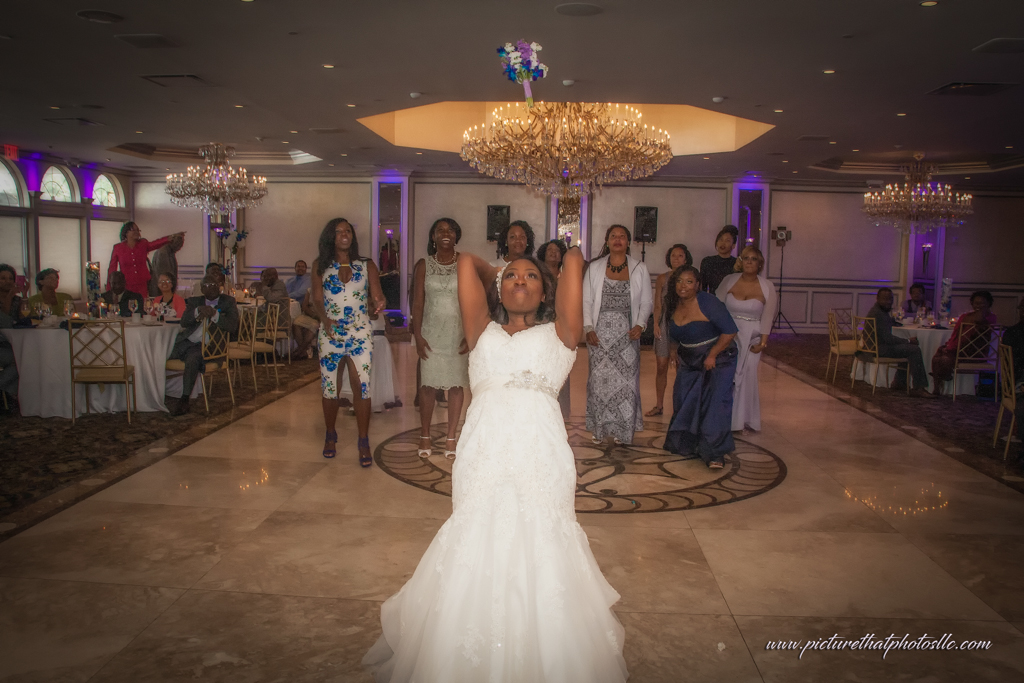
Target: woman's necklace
x,y
455,257
616,269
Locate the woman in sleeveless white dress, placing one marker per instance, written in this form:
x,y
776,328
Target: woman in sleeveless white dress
x,y
754,317
509,590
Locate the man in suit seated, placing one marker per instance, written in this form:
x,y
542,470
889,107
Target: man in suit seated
x,y
220,310
119,296
891,346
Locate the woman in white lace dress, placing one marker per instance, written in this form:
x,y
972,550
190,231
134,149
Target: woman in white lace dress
x,y
437,329
509,590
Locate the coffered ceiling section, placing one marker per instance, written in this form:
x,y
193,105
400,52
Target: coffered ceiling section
x,y
440,126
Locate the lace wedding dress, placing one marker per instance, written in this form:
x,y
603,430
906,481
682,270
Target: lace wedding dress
x,y
508,589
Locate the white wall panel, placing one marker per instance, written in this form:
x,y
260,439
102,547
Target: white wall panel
x,y
103,235
12,242
832,240
467,203
286,226
692,216
157,217
988,248
60,247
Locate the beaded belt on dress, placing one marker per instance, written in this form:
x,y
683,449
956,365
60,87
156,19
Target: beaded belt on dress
x,y
745,317
524,379
703,343
378,333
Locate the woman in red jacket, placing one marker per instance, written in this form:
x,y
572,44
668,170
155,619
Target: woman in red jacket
x,y
129,256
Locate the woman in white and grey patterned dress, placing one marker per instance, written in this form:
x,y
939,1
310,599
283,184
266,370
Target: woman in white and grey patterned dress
x,y
437,329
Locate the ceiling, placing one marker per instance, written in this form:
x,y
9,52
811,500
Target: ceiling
x,y
268,57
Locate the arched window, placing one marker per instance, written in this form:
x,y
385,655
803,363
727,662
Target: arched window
x,y
104,192
9,194
55,186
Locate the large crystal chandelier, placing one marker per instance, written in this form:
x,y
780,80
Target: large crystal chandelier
x,y
216,188
919,205
566,149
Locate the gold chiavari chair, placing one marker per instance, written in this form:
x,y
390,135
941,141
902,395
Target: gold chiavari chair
x,y
243,348
215,359
1008,396
867,344
837,345
99,356
844,321
977,350
266,338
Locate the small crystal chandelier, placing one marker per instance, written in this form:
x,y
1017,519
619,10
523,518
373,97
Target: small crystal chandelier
x,y
566,149
919,206
217,188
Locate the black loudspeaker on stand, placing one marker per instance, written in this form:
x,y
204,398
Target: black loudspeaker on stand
x,y
781,236
645,227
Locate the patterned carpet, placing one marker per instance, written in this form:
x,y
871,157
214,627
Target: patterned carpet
x,y
963,429
44,455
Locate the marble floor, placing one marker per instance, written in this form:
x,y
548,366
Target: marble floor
x,y
248,557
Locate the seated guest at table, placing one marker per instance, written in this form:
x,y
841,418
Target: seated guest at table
x,y
704,335
713,269
165,261
916,301
271,288
305,326
299,285
118,295
47,280
891,346
10,311
129,257
168,303
978,320
220,310
213,268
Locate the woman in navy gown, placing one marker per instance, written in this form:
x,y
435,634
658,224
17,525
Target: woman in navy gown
x,y
703,331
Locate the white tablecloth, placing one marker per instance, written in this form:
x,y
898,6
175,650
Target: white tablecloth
x,y
929,339
44,371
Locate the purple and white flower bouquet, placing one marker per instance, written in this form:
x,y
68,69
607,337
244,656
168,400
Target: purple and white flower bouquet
x,y
521,64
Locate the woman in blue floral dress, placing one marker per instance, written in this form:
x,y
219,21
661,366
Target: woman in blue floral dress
x,y
346,289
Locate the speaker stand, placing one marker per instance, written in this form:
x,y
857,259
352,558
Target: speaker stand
x,y
780,317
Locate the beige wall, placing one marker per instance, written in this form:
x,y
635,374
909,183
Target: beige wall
x,y
832,239
467,203
157,216
689,215
286,226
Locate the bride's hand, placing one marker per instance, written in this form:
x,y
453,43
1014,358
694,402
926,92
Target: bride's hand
x,y
592,339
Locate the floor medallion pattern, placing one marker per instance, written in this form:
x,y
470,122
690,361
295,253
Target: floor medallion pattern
x,y
618,479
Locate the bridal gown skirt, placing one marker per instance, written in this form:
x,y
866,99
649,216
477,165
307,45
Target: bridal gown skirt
x,y
508,589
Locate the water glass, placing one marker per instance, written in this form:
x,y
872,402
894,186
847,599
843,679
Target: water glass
x,y
133,306
69,309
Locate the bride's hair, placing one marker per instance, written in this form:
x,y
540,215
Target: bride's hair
x,y
545,312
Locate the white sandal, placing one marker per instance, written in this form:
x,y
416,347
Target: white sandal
x,y
425,452
449,454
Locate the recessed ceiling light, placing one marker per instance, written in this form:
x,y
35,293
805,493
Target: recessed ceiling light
x,y
415,95
293,131
239,106
1009,147
419,152
343,154
829,71
139,132
350,105
831,142
330,164
706,158
778,111
854,150
54,107
578,9
901,114
108,159
967,177
785,161
284,142
929,3
795,171
246,0
166,169
328,66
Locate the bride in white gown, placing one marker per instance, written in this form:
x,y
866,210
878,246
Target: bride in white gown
x,y
508,589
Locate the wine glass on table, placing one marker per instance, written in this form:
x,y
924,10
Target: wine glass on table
x,y
69,309
133,306
26,308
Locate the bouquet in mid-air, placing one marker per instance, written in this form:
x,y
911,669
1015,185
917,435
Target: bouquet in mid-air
x,y
522,65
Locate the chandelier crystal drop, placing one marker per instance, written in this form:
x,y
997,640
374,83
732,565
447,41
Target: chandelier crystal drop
x,y
566,149
919,205
216,188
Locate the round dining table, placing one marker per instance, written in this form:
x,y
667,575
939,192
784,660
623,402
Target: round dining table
x,y
43,358
929,339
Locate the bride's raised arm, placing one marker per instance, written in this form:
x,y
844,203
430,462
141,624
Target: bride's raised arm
x,y
475,275
569,299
